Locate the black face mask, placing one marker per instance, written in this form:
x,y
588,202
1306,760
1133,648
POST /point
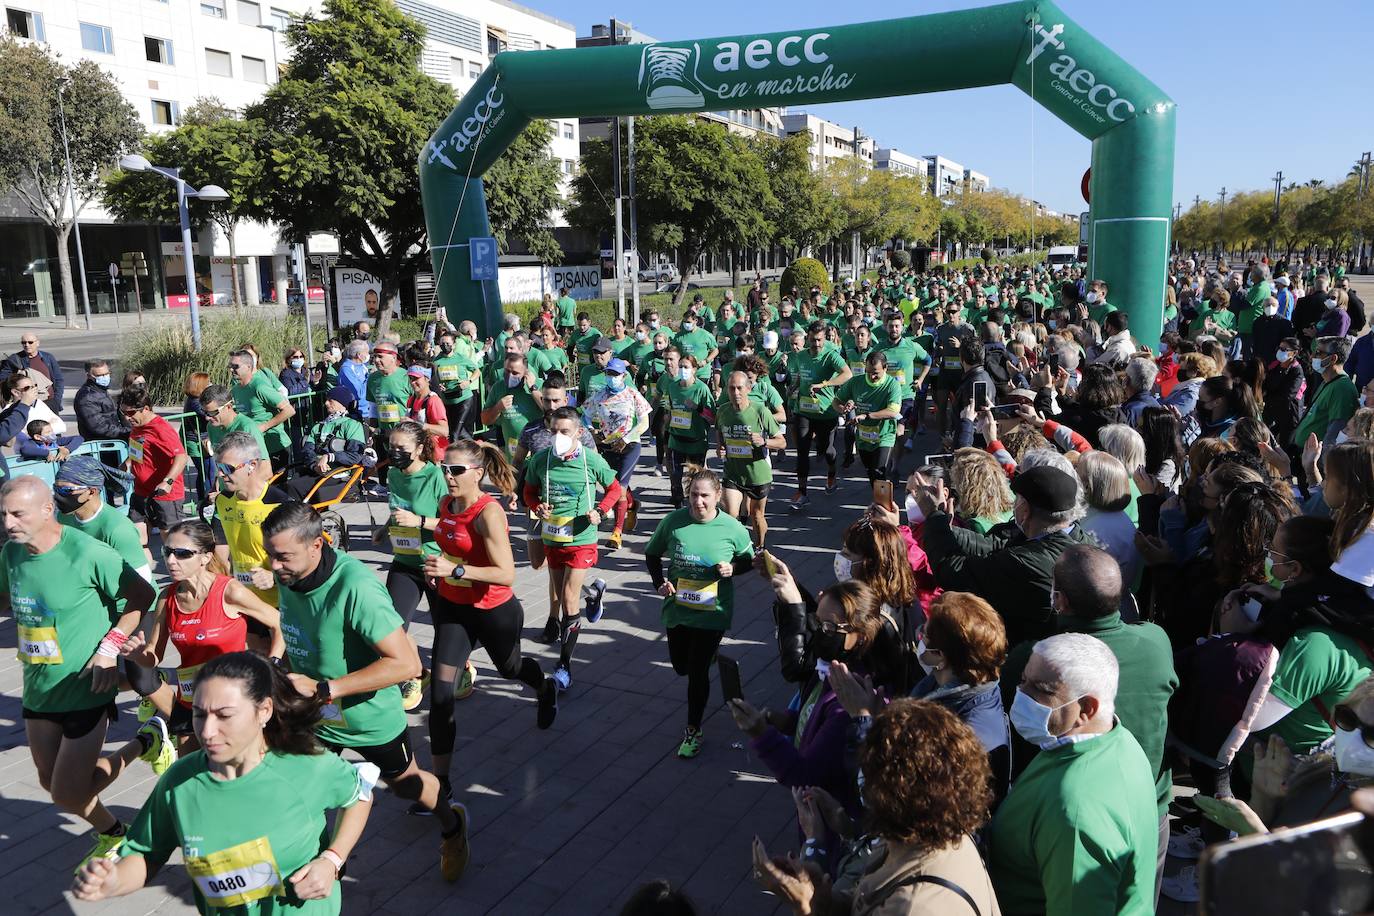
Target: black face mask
x,y
66,502
400,457
445,348
828,646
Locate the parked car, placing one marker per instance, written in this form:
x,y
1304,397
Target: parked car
x,y
662,272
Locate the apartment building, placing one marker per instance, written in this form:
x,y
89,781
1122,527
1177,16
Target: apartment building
x,y
899,163
830,141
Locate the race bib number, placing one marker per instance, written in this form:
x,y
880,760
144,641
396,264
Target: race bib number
x,y
857,368
405,540
558,529
38,646
238,875
136,451
680,419
389,412
448,373
739,448
697,594
512,442
332,714
869,433
456,561
900,376
245,577
952,362
186,681
809,402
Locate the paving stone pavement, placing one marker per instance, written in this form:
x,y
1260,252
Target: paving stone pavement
x,y
568,820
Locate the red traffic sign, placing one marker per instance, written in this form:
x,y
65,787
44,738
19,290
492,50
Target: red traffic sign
x,y
1084,186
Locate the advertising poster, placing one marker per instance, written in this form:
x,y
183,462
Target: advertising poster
x,y
359,295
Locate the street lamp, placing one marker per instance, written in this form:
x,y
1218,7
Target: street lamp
x,y
62,83
211,193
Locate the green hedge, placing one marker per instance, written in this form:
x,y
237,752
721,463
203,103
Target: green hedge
x,y
804,273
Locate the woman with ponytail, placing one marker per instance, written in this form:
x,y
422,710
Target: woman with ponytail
x,y
475,604
247,811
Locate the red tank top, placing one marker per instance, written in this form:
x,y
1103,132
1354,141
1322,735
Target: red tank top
x,y
203,634
457,538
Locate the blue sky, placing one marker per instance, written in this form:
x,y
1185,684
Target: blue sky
x,y
1261,85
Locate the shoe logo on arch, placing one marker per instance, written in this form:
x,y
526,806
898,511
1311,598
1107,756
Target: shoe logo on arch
x,y
666,78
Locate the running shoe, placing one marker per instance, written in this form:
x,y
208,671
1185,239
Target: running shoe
x,y
800,501
1187,843
594,594
660,471
146,709
548,704
691,744
411,693
614,541
1182,886
161,752
550,634
562,677
454,851
106,847
466,681
831,485
631,515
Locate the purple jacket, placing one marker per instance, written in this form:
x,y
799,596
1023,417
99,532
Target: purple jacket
x,y
820,760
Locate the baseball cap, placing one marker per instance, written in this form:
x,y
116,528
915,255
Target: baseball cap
x,y
616,365
602,345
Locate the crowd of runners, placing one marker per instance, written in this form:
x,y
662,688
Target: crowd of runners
x,y
1092,556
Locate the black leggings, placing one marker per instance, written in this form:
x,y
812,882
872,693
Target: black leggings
x,y
677,464
876,461
458,629
822,432
658,425
462,419
691,651
407,584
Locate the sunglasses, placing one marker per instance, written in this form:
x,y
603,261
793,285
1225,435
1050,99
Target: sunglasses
x,y
235,367
129,414
1344,718
829,627
228,470
216,412
25,389
455,470
181,553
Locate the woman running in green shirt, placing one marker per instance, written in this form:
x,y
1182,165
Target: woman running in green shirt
x,y
875,400
690,416
704,548
247,812
416,486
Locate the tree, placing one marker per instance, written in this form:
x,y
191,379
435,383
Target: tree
x,y
100,127
698,188
877,204
212,146
805,215
344,124
522,191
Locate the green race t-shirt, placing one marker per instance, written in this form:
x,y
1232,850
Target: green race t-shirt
x,y
902,358
569,487
419,493
582,342
688,427
449,372
110,527
807,370
332,630
64,602
620,347
543,360
692,550
259,401
854,357
517,416
870,398
1315,662
240,424
390,393
696,343
242,839
567,311
744,462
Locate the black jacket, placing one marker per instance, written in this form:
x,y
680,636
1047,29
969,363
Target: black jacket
x,y
97,416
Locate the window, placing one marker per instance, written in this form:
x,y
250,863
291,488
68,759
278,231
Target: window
x,y
474,69
569,167
212,8
218,63
250,13
23,24
97,38
158,50
567,130
280,19
165,112
254,69
456,68
497,41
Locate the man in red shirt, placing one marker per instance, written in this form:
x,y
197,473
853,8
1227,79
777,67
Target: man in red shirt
x,y
156,459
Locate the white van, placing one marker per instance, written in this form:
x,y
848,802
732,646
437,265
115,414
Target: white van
x,y
1061,256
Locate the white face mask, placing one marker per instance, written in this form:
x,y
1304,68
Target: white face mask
x,y
1031,719
1330,303
1271,310
914,515
844,568
641,336
562,444
688,327
1091,298
922,650
686,374
1353,756
1341,437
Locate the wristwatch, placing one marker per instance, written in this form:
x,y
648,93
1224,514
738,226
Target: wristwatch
x,y
323,691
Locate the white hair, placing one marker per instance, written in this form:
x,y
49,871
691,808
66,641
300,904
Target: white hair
x,y
356,349
1124,443
1141,373
1084,665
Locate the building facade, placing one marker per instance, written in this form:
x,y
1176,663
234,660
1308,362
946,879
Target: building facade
x,y
976,182
946,175
165,54
830,141
899,163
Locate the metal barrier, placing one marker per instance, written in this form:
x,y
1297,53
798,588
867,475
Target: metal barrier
x,y
47,470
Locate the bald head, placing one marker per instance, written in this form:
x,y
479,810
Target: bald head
x,y
1088,581
27,505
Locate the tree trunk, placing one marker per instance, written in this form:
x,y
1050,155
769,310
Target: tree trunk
x,y
686,258
64,267
236,292
734,268
387,298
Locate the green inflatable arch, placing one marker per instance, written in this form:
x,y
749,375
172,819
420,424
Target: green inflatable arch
x,y
1030,44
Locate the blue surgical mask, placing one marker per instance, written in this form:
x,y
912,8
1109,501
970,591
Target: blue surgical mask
x,y
615,382
1282,356
688,327
103,381
1317,365
1031,719
297,363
